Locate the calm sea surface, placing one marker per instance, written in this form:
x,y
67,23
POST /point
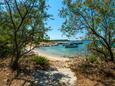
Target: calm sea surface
x,y
60,50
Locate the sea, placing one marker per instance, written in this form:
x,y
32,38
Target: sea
x,y
60,50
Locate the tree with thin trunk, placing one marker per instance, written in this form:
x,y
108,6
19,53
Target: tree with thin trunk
x,y
25,19
94,17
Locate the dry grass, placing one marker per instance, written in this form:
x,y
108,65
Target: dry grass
x,y
21,77
93,74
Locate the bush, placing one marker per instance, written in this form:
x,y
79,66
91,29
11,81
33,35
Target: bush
x,y
92,59
5,50
41,60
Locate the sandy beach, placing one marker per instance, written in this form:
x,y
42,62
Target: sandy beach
x,y
50,57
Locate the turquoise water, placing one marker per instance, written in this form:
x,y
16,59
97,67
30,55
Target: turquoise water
x,y
60,50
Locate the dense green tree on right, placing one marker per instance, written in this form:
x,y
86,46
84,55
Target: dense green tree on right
x,y
97,18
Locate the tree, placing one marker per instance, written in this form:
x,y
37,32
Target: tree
x,y
25,19
4,34
95,16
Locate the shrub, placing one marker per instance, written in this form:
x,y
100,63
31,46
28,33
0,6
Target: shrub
x,y
92,59
41,60
5,50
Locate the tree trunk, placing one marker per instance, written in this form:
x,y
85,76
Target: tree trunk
x,y
111,54
15,64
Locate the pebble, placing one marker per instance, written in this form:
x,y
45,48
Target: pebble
x,y
5,80
46,81
21,74
36,82
27,84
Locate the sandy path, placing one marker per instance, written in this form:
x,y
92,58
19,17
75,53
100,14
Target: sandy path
x,y
58,73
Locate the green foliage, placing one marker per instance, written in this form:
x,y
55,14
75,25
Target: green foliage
x,y
5,50
41,60
22,23
95,18
92,58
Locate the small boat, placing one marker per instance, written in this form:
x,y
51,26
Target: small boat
x,y
80,43
71,45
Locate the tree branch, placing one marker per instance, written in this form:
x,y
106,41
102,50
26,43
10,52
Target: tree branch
x,y
18,8
10,12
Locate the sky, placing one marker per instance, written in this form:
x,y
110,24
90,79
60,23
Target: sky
x,y
55,24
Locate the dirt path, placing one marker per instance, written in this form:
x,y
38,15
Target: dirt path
x,y
58,74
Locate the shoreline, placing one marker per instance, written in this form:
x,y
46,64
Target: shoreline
x,y
50,57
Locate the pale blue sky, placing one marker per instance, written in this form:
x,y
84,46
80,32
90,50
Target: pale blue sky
x,y
55,24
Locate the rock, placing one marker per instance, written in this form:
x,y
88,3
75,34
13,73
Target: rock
x,y
21,74
28,84
36,82
7,74
5,80
46,81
